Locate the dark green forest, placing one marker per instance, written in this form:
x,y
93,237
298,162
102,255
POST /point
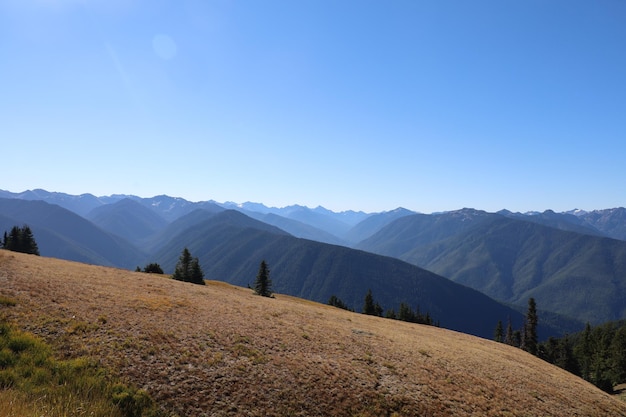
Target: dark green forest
x,y
20,239
597,354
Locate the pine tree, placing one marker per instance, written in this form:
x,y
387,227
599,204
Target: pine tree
x,y
508,338
196,274
391,314
183,267
188,269
263,283
378,309
405,313
530,340
499,334
28,241
152,268
583,351
20,240
517,338
369,307
618,355
13,241
337,302
565,358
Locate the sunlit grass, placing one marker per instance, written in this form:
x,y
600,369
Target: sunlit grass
x,y
220,350
34,383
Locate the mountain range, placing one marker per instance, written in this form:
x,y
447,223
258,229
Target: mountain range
x,y
510,258
467,268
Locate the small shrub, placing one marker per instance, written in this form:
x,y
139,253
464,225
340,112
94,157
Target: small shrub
x,y
131,401
6,301
7,378
7,358
21,342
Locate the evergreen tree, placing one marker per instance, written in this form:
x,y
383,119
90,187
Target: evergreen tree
x,y
405,313
153,268
378,310
188,269
508,338
565,357
618,355
28,244
369,307
263,283
14,243
583,351
196,274
20,240
391,314
336,302
530,340
499,334
183,267
532,321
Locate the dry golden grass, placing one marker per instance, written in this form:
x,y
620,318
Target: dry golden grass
x,y
219,350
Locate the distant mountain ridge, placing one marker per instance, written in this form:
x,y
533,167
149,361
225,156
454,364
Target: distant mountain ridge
x,y
171,208
63,234
512,257
346,226
230,246
573,263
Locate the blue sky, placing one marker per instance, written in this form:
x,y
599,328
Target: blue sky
x,y
348,104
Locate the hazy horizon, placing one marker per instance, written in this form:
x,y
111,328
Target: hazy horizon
x,y
355,209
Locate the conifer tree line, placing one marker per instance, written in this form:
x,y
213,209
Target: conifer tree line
x,y
20,239
526,338
373,308
597,354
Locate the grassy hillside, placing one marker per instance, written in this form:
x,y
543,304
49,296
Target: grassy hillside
x,y
220,350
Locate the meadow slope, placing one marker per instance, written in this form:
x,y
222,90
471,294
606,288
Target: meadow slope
x,y
219,350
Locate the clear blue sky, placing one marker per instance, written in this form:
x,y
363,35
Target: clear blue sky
x,y
349,104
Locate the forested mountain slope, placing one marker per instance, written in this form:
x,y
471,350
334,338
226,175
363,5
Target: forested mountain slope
x,y
511,260
63,234
230,247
